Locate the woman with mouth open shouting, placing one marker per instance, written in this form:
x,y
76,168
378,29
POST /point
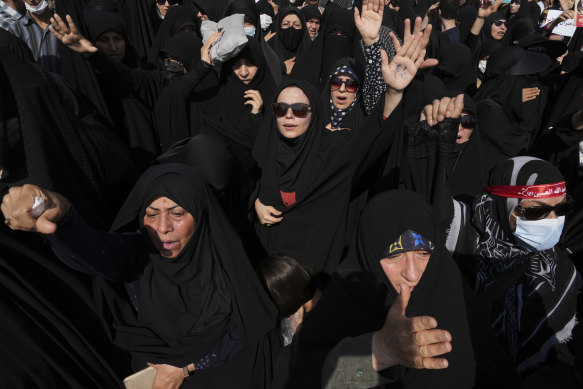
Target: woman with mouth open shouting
x,y
309,160
173,294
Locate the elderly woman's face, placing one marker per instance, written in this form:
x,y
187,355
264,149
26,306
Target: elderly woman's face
x,y
291,20
290,125
405,269
169,226
341,96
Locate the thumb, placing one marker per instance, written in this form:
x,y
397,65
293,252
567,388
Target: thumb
x,y
293,59
45,224
400,304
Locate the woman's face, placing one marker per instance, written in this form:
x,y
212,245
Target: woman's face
x,y
313,26
245,70
464,130
514,6
163,8
405,269
112,44
535,203
291,20
169,226
289,125
498,29
341,98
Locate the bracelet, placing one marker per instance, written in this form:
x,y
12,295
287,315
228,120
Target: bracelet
x,y
185,372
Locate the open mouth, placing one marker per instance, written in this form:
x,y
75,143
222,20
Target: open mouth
x,y
289,127
170,245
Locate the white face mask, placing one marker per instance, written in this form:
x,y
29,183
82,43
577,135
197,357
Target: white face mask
x,y
538,235
265,21
482,65
37,9
249,31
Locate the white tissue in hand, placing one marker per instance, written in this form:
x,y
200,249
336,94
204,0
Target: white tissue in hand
x,y
39,206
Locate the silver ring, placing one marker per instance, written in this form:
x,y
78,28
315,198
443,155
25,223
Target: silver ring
x,y
7,220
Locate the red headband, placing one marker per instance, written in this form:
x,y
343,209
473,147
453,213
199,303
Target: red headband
x,y
529,191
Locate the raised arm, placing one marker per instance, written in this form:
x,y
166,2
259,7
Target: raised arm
x,y
410,57
112,256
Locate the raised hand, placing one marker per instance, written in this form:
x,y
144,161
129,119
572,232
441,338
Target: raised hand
x,y
70,36
254,100
205,50
17,207
442,109
412,342
370,20
399,73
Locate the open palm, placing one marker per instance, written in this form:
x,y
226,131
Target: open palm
x,y
399,73
369,21
70,35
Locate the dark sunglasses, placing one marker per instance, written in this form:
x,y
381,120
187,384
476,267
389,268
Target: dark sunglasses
x,y
498,23
299,110
171,2
468,122
542,211
350,85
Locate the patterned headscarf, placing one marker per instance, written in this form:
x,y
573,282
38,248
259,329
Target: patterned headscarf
x,y
336,114
409,241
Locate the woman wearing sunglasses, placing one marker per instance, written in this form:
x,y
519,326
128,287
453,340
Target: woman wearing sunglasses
x,y
505,243
307,170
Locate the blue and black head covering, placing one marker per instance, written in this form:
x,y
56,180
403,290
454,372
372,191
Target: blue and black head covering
x,y
352,68
408,241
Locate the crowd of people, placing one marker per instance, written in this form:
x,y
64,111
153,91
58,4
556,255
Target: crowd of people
x,y
286,194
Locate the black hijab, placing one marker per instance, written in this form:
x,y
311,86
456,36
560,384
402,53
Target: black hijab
x,y
455,68
230,116
177,18
316,64
289,42
189,302
214,9
360,294
310,178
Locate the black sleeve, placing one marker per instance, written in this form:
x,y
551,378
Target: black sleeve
x,y
556,140
145,84
109,255
428,150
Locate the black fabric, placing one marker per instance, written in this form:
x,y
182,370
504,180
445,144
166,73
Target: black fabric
x,y
16,45
179,111
177,18
351,118
359,295
228,113
214,9
131,117
455,68
187,303
49,322
55,146
315,64
142,23
289,42
537,310
318,167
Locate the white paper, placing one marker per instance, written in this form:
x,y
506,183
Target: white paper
x,y
566,28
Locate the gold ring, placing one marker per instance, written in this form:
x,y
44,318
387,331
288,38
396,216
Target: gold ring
x,y
7,220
